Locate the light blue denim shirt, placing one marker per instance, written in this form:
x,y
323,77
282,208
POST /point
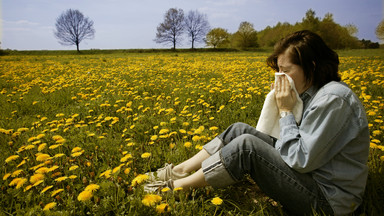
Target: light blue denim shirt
x,y
331,143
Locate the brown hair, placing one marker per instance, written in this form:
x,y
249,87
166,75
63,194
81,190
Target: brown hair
x,y
308,50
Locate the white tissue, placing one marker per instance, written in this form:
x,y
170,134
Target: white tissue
x,y
269,117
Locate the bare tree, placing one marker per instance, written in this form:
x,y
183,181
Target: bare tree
x,y
170,31
196,26
72,28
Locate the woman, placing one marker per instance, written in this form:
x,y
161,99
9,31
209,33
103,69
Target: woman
x,y
318,164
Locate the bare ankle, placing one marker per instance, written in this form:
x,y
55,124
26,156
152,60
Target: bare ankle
x,y
178,169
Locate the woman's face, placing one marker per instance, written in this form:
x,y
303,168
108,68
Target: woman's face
x,y
294,71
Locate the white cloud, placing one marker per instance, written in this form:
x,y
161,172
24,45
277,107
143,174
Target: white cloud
x,y
23,25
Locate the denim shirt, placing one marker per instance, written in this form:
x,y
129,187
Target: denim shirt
x,y
331,142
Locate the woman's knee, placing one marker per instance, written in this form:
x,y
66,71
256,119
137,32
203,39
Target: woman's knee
x,y
243,143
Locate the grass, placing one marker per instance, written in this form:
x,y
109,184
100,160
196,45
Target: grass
x,y
117,106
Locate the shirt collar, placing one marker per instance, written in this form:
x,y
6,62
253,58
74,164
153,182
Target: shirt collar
x,y
308,94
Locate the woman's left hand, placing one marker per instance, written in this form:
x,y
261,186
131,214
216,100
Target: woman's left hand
x,y
284,94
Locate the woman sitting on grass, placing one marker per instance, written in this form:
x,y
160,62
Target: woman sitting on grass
x,y
317,164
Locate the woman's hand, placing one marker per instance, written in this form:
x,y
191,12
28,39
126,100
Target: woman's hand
x,y
284,94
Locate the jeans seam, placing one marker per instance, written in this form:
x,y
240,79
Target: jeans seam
x,y
228,170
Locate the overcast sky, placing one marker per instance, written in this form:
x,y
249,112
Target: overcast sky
x,y
127,24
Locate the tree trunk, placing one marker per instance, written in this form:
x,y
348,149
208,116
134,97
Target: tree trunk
x,y
77,46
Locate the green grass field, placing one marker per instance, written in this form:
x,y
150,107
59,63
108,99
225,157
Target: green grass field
x,y
77,131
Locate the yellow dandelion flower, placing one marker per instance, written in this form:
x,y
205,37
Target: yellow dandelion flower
x,y
217,201
21,163
36,177
77,154
116,169
154,137
22,129
53,168
164,207
45,189
16,173
164,131
106,173
126,158
43,157
59,155
139,179
196,138
14,181
49,206
178,189
146,155
199,147
127,171
42,147
37,183
151,199
73,167
53,193
55,146
172,145
187,144
72,177
21,182
376,132
85,196
76,149
57,137
213,128
11,158
165,189
60,179
40,136
92,187
29,147
27,188
31,139
130,144
5,177
42,170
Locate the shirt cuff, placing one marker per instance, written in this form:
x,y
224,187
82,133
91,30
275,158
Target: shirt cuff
x,y
288,127
287,120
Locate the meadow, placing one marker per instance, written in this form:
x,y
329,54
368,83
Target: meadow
x,y
78,131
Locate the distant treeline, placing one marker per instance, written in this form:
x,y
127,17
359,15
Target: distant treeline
x,y
334,34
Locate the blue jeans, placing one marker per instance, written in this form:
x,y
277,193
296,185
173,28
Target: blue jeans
x,y
241,149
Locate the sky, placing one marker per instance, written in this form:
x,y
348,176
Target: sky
x,y
131,24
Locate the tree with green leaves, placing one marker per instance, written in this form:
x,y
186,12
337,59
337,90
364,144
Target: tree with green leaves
x,y
72,28
380,31
172,28
246,36
217,38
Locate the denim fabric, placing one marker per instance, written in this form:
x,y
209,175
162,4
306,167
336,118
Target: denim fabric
x,y
241,149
